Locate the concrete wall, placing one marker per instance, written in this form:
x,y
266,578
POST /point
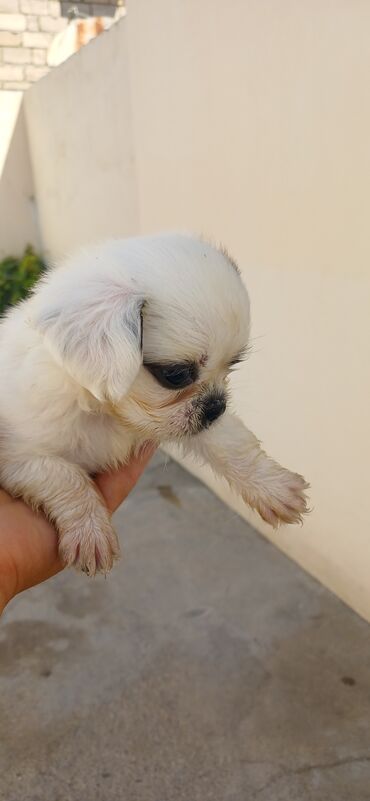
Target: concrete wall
x,y
18,215
248,121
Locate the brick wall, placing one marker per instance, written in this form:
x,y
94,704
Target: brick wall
x,y
27,28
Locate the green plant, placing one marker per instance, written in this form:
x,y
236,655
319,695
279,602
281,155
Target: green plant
x,y
17,277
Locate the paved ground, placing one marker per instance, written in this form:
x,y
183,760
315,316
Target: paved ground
x,y
207,666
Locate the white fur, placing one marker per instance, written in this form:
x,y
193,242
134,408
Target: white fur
x,y
75,397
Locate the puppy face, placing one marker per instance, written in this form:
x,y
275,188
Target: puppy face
x,y
149,328
195,328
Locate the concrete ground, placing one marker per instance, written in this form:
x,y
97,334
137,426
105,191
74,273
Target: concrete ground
x,y
206,666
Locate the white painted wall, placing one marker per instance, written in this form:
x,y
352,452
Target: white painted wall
x,y
79,123
18,216
248,121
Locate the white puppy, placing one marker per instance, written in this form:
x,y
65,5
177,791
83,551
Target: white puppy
x,y
126,342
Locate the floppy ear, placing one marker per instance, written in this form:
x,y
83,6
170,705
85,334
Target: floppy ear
x,y
97,340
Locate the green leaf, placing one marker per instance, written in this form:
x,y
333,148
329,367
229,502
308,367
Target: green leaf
x,y
18,276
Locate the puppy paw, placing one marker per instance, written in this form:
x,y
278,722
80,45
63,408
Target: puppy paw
x,y
279,497
91,547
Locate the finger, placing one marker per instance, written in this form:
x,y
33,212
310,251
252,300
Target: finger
x,y
116,485
4,498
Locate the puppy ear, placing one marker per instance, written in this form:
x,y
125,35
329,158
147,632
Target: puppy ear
x,y
97,340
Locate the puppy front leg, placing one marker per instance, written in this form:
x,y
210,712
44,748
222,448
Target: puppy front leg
x,y
69,499
234,453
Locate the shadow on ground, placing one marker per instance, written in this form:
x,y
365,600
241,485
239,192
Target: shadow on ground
x,y
206,666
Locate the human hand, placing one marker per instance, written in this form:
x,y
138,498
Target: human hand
x,y
29,543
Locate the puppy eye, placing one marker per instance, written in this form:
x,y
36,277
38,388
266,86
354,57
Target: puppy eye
x,y
173,376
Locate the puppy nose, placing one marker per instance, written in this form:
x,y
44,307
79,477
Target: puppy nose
x,y
213,408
